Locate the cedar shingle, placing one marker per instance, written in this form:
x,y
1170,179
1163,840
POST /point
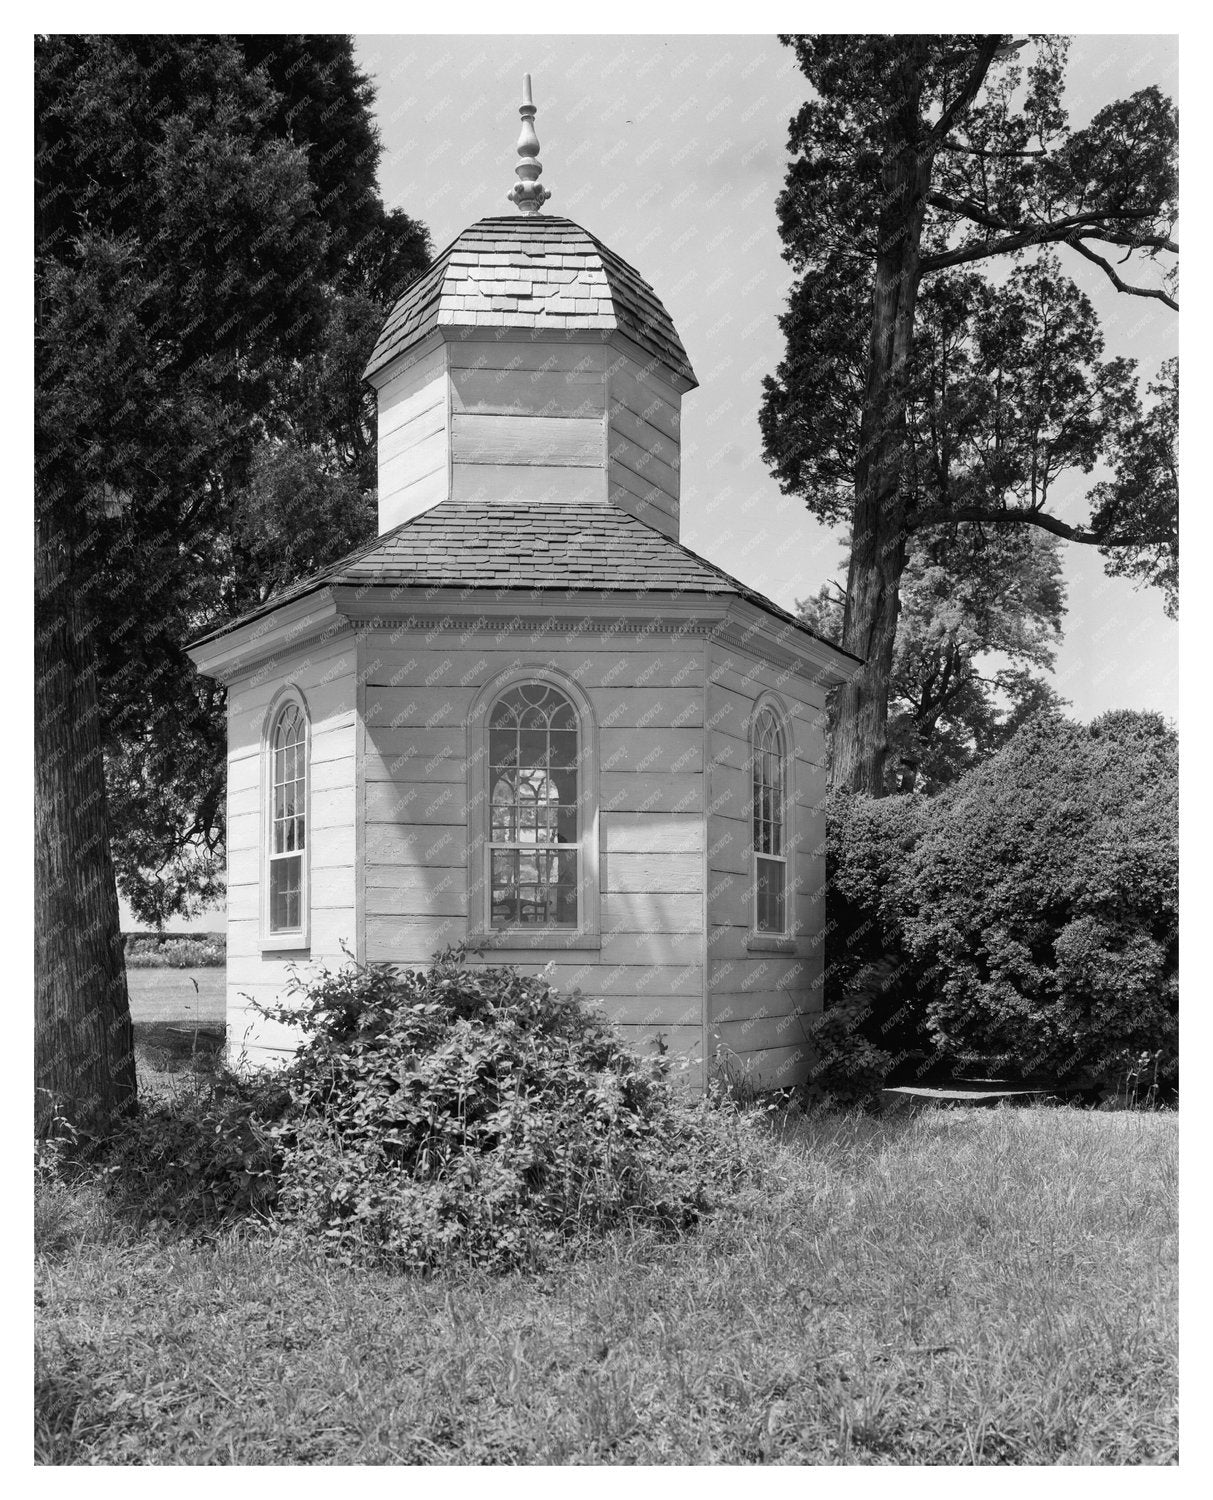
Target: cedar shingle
x,y
578,282
593,550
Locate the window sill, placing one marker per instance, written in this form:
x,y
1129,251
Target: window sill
x,y
286,942
553,939
764,942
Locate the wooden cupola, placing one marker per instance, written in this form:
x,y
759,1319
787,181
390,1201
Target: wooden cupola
x,y
529,364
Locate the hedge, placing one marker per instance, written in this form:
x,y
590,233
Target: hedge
x,y
1028,915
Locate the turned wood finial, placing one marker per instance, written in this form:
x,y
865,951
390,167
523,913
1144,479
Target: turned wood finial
x,y
526,194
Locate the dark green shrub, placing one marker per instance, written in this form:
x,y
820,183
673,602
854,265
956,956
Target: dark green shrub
x,y
1043,893
474,1113
847,1069
205,1155
868,966
1027,917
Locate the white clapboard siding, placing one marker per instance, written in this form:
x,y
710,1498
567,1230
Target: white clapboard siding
x,y
640,466
757,998
646,501
565,393
654,1010
416,803
761,1033
325,673
322,670
644,911
745,674
438,708
646,397
662,872
676,950
413,441
529,484
653,832
650,791
556,442
639,750
627,425
420,428
414,755
414,482
418,900
498,354
394,844
411,940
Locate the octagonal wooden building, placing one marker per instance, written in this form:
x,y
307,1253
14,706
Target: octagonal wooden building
x,y
525,716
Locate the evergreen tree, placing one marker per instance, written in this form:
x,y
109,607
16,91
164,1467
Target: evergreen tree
x,y
919,158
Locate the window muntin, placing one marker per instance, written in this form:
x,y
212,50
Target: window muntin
x,y
288,820
770,854
533,809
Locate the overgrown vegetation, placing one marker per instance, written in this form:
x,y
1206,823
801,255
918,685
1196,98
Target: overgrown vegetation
x,y
457,1113
958,1287
1027,916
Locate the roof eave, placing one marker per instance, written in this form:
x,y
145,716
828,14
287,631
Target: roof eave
x,y
272,630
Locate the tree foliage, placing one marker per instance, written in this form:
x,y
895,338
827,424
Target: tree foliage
x,y
196,253
214,264
915,393
980,618
1030,910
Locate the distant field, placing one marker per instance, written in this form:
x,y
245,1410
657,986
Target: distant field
x,y
957,1287
171,995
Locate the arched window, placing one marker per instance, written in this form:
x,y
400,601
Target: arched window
x,y
533,760
770,836
286,882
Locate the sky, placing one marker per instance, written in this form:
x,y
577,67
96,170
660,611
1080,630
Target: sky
x,y
672,150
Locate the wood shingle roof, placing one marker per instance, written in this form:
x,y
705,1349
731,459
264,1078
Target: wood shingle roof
x,y
501,545
535,272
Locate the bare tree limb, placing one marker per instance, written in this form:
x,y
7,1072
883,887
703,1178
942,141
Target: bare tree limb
x,y
1022,515
1122,286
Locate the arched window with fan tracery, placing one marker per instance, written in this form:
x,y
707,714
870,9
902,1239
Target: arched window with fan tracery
x,y
534,809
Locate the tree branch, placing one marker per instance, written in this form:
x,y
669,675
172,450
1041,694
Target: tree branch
x,y
986,54
1061,233
989,155
1022,515
1122,286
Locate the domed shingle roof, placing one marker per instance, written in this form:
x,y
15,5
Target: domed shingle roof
x,y
534,272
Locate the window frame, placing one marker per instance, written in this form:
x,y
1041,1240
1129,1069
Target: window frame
x,y
292,939
481,932
768,706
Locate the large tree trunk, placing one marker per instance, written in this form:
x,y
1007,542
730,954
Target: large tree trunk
x,y
84,1060
878,545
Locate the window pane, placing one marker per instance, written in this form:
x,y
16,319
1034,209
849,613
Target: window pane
x,y
533,774
770,895
286,876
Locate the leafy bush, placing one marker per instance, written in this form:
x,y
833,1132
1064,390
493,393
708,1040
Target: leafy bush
x,y
1031,910
476,1113
204,1155
847,1069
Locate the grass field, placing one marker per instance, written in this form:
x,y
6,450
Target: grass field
x,y
961,1286
183,995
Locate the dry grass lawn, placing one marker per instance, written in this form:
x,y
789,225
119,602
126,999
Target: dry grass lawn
x,y
963,1286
